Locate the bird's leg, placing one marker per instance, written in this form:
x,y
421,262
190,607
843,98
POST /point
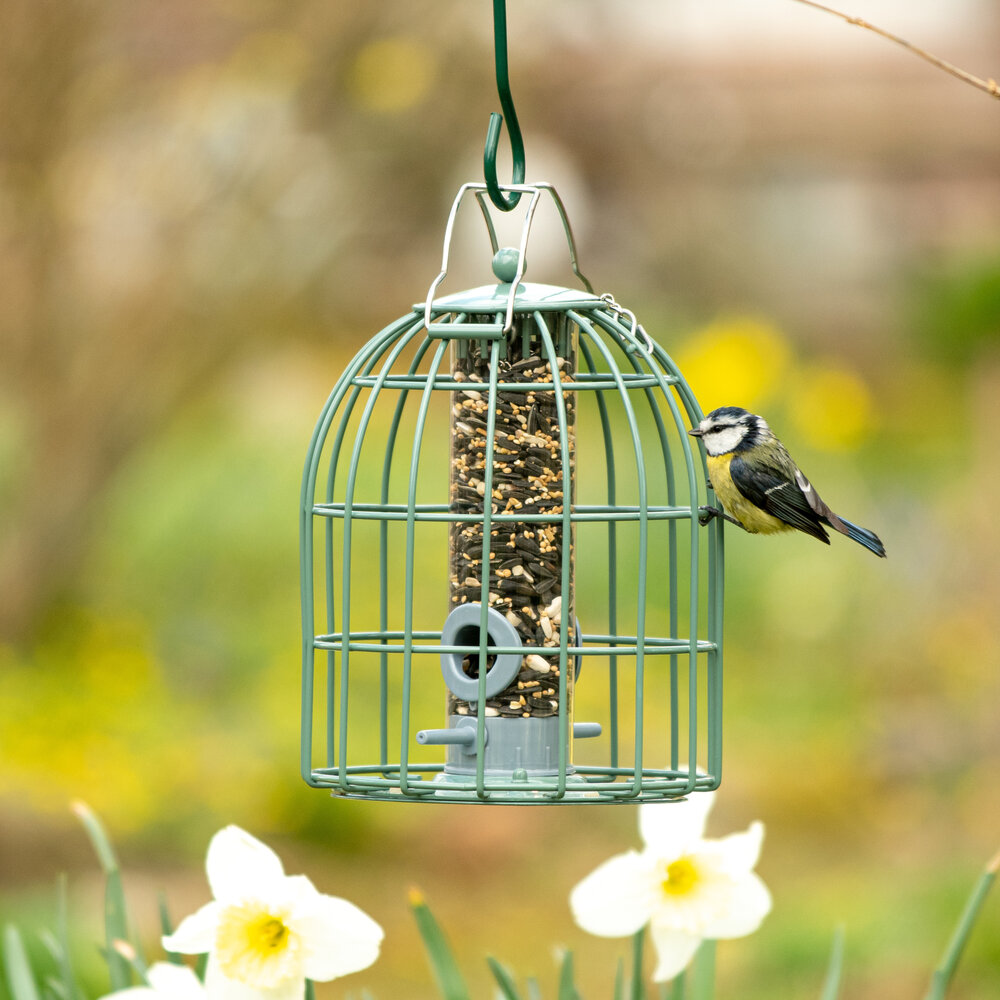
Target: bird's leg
x,y
707,513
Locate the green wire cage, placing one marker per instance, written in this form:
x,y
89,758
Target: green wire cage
x,y
555,540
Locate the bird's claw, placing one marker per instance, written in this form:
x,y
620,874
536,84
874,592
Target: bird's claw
x,y
705,514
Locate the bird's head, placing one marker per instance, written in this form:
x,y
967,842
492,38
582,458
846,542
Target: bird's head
x,y
731,428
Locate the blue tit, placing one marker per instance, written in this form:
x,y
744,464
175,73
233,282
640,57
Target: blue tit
x,y
761,489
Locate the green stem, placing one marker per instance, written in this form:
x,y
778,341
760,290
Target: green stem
x,y
115,915
567,988
945,971
638,991
442,960
19,974
831,986
62,924
703,972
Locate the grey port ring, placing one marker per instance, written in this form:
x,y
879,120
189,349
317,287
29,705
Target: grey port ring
x,y
506,666
465,619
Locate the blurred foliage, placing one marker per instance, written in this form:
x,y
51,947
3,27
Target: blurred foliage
x,y
206,208
957,311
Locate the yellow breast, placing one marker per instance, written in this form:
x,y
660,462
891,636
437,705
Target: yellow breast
x,y
735,504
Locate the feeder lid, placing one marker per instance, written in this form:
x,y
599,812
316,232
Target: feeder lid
x,y
530,296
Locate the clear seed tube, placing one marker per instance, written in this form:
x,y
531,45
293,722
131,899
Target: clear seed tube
x,y
524,559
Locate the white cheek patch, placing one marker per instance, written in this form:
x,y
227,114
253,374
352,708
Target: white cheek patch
x,y
723,439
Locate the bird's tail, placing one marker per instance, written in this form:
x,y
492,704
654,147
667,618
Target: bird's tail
x,y
862,536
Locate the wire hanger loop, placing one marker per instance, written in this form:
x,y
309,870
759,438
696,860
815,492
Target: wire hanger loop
x,y
505,204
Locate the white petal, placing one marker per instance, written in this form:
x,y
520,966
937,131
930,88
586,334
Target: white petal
x,y
133,993
738,853
299,890
671,829
337,938
174,980
221,987
196,934
617,897
674,949
749,902
241,867
166,982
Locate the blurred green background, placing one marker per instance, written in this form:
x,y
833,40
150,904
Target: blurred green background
x,y
207,208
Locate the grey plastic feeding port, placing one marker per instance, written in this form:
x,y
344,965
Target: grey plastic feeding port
x,y
462,629
511,745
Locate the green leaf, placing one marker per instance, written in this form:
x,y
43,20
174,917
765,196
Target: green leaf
x,y
619,993
703,972
676,988
52,945
504,979
115,919
134,960
831,985
534,990
567,989
98,837
66,971
167,928
116,927
443,964
20,978
53,989
310,990
945,971
638,988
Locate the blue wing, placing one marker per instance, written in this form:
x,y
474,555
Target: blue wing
x,y
772,491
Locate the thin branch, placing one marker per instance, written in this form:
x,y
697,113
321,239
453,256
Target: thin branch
x,y
990,86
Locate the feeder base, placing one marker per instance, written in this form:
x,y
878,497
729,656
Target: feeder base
x,y
527,748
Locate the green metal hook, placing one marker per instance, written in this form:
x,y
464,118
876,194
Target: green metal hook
x,y
505,204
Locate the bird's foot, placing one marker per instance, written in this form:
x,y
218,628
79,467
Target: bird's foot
x,y
706,514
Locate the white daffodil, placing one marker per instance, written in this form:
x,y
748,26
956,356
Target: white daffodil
x,y
685,887
166,982
266,932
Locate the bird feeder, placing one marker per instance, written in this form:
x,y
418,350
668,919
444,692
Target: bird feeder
x,y
499,531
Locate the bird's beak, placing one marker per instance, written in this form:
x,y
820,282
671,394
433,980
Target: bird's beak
x,y
696,432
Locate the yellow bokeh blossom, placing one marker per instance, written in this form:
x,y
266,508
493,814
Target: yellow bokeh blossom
x,y
830,407
735,362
